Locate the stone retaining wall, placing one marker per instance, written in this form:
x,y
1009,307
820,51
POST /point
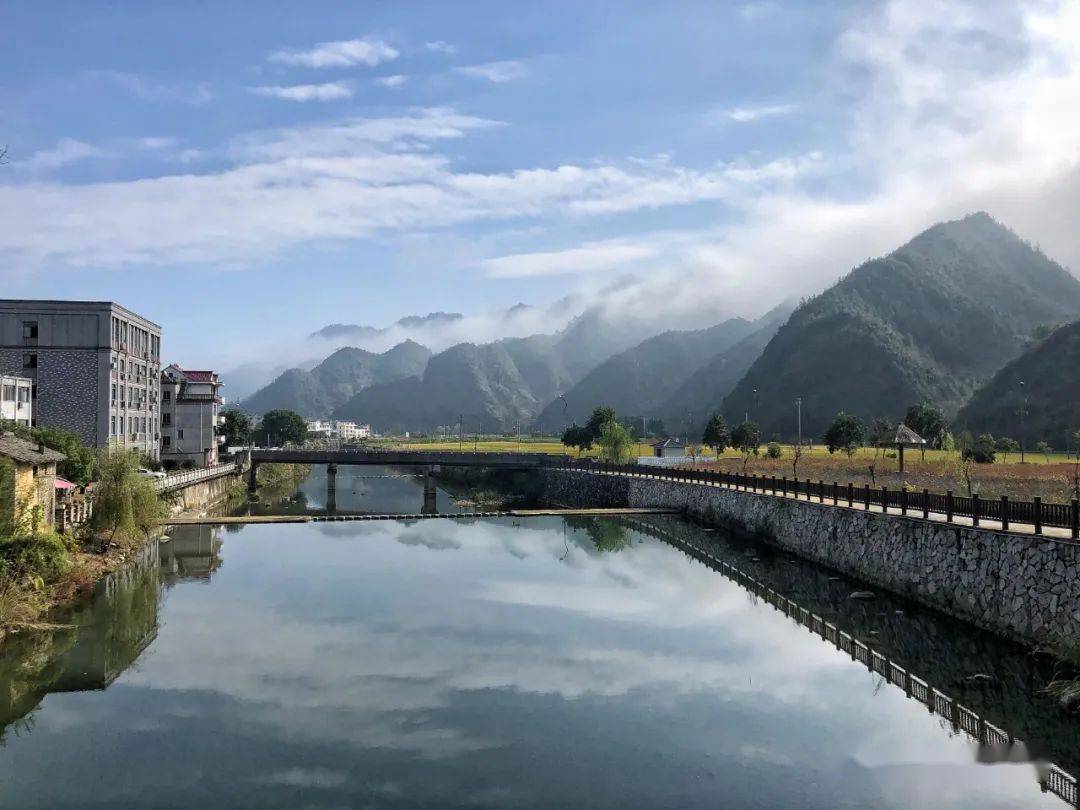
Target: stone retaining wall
x,y
195,499
1022,587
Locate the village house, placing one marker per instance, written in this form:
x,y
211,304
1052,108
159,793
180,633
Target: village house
x,y
31,490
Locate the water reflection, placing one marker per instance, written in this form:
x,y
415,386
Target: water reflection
x,y
547,663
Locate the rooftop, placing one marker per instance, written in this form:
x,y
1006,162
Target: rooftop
x,y
27,452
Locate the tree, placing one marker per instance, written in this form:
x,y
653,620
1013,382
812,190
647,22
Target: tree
x,y
237,427
600,416
929,422
846,433
1045,449
716,434
126,505
1005,445
78,467
283,427
880,433
746,438
614,442
577,436
981,450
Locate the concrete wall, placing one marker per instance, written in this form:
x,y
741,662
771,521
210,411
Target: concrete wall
x,y
1022,587
198,498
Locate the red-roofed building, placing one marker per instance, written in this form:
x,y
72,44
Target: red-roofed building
x,y
190,405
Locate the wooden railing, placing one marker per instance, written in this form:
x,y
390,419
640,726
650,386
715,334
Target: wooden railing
x,y
913,503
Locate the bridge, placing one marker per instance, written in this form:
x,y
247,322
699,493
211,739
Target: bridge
x,y
428,459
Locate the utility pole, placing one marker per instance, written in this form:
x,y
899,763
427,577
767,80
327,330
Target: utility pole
x,y
460,428
798,417
1023,413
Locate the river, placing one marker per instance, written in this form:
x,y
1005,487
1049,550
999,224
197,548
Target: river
x,y
494,662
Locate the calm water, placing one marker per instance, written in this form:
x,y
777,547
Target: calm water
x,y
488,663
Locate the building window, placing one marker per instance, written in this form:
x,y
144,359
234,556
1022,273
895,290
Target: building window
x,y
112,426
179,434
166,395
29,361
29,330
114,393
166,419
165,442
9,393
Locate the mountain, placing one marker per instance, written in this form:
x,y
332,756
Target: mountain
x,y
634,382
702,392
498,385
1049,398
928,322
316,393
357,332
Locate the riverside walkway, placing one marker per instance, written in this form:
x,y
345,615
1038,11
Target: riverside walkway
x,y
1053,520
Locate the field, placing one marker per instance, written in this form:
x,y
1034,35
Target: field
x,y
1051,476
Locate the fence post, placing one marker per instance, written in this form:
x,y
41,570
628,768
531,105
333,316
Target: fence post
x,y
1075,518
850,494
975,509
1038,515
948,506
1004,513
821,491
926,504
884,500
785,485
835,494
866,497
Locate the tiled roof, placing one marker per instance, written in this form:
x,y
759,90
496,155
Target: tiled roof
x,y
199,376
669,443
27,452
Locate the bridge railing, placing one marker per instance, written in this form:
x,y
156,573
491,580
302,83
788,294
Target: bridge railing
x,y
188,477
911,502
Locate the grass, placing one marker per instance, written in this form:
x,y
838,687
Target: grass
x,y
1048,476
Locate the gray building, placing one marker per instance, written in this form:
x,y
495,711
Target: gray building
x,y
94,366
190,406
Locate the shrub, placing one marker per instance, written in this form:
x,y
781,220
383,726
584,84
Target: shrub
x,y
773,450
169,465
125,503
188,465
43,555
981,450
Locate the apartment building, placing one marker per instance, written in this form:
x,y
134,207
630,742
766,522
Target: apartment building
x,y
190,415
16,400
94,368
337,429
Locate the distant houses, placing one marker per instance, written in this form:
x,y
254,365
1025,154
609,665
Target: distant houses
x,y
337,429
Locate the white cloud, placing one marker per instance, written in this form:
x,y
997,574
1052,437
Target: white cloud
x,y
66,152
498,72
597,256
744,115
396,80
344,53
329,91
439,46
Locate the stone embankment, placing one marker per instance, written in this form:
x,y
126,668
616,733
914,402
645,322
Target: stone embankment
x,y
1022,587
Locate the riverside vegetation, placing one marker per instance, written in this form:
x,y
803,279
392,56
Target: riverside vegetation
x,y
40,568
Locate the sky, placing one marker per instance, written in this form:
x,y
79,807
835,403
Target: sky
x,y
245,173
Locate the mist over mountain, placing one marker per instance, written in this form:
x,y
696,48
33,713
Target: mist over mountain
x,y
637,380
928,322
1049,397
500,385
316,393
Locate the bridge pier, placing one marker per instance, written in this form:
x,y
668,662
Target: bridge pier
x,y
253,478
331,487
430,506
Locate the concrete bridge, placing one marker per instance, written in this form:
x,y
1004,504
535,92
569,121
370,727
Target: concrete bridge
x,y
428,459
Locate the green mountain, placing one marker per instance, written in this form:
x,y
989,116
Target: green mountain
x,y
702,391
498,386
316,393
636,381
930,321
1049,398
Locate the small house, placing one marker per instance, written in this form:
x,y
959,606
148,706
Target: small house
x,y
669,448
31,487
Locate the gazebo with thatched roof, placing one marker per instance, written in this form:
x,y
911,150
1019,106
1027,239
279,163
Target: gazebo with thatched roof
x,y
906,437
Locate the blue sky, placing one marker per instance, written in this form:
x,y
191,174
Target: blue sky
x,y
245,173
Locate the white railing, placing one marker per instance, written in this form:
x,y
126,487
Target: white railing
x,y
188,477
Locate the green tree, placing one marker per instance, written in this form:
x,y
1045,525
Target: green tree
x,y
282,427
577,436
614,442
881,432
746,438
78,467
716,434
1045,449
1005,445
929,422
982,450
237,427
600,417
846,433
126,505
